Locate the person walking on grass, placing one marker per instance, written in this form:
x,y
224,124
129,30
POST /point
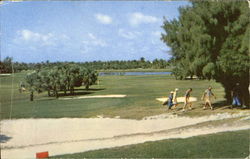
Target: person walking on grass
x,y
207,95
175,103
170,100
235,93
186,100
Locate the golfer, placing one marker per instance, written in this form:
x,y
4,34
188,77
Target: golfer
x,y
187,102
236,95
207,95
170,100
175,103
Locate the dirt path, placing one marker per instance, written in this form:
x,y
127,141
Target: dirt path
x,y
71,135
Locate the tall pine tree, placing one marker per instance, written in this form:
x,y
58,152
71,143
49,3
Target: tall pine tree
x,y
210,39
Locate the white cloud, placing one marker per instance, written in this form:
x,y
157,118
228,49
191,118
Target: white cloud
x,y
96,41
16,0
64,37
104,19
93,41
30,39
156,33
2,3
156,37
35,37
128,34
138,18
92,36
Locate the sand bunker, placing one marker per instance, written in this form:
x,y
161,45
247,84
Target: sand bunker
x,y
97,96
5,74
71,135
179,99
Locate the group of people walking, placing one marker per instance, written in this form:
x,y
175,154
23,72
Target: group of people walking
x,y
206,97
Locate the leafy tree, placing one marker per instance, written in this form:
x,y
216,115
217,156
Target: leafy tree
x,y
45,80
6,65
74,79
65,78
33,83
210,39
55,81
89,77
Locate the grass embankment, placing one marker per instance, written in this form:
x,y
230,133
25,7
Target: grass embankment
x,y
141,92
220,145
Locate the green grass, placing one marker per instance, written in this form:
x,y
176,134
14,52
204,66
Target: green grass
x,y
141,92
169,69
220,145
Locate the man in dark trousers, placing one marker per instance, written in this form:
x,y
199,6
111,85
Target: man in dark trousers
x,y
170,100
236,94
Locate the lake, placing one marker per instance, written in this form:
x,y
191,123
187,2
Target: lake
x,y
132,73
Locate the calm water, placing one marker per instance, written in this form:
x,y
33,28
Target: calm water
x,y
132,73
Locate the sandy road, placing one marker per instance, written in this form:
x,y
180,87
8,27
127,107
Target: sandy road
x,y
71,135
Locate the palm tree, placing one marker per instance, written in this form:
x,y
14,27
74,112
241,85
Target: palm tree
x,y
55,81
45,80
32,84
90,78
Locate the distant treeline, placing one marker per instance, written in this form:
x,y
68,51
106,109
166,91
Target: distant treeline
x,y
8,66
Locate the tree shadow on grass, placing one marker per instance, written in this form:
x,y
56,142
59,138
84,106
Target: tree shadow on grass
x,y
74,94
90,89
78,92
4,138
221,105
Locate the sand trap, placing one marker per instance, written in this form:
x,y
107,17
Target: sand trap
x,y
179,99
71,135
97,96
5,74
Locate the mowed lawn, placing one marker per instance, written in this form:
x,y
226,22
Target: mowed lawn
x,y
141,92
220,145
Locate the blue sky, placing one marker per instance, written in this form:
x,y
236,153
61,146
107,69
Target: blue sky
x,y
85,30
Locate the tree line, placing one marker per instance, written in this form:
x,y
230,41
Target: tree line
x,y
8,66
130,64
63,78
210,39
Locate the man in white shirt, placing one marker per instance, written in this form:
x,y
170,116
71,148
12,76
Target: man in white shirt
x,y
175,103
207,95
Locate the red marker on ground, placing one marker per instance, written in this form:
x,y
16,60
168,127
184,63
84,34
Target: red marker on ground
x,y
42,155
